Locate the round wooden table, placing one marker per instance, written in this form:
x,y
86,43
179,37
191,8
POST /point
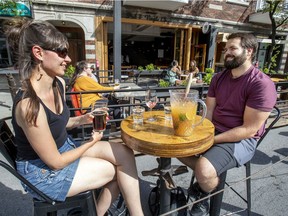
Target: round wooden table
x,y
158,139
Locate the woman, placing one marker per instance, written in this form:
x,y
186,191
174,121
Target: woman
x,y
83,80
173,74
193,68
46,156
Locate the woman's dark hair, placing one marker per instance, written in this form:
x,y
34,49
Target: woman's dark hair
x,y
247,41
22,35
174,63
195,64
79,68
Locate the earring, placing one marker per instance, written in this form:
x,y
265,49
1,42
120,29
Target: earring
x,y
40,77
39,71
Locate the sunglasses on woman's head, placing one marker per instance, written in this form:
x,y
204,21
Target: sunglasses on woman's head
x,y
62,52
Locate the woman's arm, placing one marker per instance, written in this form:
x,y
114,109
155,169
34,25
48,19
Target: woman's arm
x,y
178,70
41,140
89,85
79,120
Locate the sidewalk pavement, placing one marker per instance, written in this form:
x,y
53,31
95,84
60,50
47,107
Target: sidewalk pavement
x,y
269,179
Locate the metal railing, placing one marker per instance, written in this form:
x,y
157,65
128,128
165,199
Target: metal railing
x,y
135,101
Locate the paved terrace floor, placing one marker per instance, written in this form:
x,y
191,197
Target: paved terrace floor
x,y
269,188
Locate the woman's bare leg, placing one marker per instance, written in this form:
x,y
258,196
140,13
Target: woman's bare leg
x,y
108,194
101,164
94,173
123,159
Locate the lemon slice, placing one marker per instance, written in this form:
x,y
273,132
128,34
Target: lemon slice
x,y
189,116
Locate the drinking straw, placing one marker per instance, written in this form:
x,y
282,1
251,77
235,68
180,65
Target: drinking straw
x,y
188,85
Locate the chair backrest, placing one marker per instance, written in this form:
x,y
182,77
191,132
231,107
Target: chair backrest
x,y
12,85
7,146
275,114
9,150
164,74
75,103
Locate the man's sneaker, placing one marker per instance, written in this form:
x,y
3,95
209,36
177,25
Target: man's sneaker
x,y
201,208
193,192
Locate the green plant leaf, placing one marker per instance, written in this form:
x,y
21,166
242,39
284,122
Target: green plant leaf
x,y
163,83
69,71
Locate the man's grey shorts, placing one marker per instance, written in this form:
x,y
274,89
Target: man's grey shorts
x,y
228,155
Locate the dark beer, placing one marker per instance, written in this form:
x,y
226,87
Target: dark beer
x,y
99,121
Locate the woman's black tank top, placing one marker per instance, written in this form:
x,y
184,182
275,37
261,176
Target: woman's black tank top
x,y
57,125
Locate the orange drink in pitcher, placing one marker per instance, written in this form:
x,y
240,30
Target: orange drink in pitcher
x,y
184,110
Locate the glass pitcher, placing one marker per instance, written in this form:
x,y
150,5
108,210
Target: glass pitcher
x,y
184,111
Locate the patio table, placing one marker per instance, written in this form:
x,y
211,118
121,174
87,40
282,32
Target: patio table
x,y
275,80
158,139
155,73
128,95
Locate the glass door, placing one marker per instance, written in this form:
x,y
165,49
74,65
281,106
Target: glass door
x,y
179,46
199,55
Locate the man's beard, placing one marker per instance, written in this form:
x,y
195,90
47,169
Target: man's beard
x,y
236,61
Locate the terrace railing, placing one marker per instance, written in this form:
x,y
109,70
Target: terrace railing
x,y
83,132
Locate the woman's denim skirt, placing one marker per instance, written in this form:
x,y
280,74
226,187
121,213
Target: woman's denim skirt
x,y
55,184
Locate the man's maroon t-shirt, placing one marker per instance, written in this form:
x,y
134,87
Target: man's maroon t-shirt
x,y
253,89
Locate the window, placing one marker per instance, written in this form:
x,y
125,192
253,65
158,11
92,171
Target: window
x,y
239,2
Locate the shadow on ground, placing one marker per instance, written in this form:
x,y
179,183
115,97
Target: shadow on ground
x,y
14,202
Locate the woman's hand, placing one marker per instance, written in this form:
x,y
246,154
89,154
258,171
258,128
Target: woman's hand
x,y
116,87
87,118
96,136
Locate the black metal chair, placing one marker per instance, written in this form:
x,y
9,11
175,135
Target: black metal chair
x,y
82,203
13,87
216,200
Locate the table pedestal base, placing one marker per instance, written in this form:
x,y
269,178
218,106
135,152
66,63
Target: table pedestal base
x,y
166,195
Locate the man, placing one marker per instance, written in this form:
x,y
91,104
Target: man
x,y
239,101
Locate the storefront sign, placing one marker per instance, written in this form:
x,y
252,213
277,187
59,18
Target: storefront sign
x,y
15,8
151,17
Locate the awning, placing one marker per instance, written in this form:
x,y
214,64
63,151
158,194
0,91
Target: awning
x,y
21,8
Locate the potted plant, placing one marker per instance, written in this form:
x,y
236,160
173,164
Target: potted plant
x,y
163,83
151,67
140,68
208,76
69,73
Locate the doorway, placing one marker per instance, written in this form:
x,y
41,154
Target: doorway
x,y
76,42
143,45
199,55
145,42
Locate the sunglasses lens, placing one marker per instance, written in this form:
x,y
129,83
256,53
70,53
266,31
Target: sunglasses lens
x,y
62,52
